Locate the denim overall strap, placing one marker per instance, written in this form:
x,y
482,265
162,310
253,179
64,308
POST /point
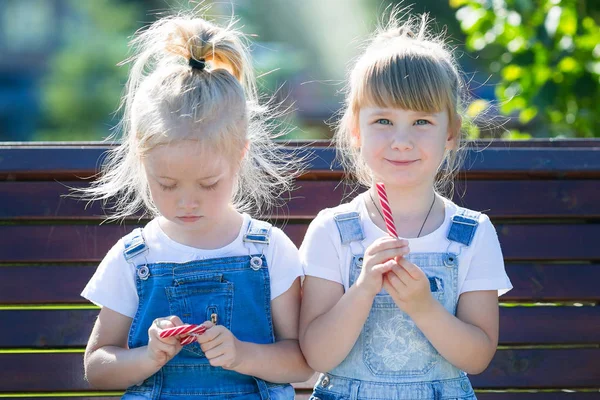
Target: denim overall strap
x,y
258,232
135,245
349,227
463,226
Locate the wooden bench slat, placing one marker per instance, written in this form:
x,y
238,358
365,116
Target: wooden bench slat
x,y
28,284
518,325
500,199
524,368
34,161
79,243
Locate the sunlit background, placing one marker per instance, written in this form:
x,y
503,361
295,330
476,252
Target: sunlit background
x,y
533,66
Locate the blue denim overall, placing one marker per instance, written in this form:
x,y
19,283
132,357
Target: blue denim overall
x,y
391,358
234,291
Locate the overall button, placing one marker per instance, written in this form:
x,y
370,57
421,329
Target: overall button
x,y
143,272
256,263
325,381
465,386
450,260
360,261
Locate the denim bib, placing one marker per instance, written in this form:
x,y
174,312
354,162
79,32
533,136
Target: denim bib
x,y
231,291
391,358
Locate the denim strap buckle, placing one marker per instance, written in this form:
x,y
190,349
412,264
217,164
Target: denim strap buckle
x,y
258,232
349,227
135,245
463,226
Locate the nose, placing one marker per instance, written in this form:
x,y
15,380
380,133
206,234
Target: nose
x,y
187,201
402,140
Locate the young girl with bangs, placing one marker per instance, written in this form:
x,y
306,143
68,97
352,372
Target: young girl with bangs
x,y
195,155
403,317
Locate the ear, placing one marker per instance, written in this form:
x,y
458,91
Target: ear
x,y
454,133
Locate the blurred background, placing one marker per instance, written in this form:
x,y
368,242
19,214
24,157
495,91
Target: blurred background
x,y
533,66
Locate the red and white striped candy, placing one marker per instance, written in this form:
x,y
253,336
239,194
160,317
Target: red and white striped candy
x,y
188,329
387,211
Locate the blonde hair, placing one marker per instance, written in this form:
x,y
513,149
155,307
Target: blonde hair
x,y
404,66
166,100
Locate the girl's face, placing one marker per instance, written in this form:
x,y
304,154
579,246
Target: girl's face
x,y
190,185
403,147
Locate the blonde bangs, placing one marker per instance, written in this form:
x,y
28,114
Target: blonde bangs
x,y
414,81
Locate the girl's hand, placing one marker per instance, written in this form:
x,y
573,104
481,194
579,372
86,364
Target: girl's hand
x,y
160,350
220,346
409,287
379,258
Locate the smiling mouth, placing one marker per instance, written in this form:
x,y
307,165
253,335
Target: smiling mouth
x,y
401,163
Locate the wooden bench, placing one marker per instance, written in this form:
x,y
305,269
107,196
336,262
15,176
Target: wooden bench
x,y
544,198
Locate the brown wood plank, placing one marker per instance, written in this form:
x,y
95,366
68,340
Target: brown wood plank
x,y
553,282
78,243
499,199
535,368
39,161
518,325
27,284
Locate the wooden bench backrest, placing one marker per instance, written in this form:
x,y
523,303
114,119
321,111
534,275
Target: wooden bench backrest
x,y
543,197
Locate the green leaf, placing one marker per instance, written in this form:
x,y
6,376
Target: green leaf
x,y
568,21
569,65
477,107
512,72
527,114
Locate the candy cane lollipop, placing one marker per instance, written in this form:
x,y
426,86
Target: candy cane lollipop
x,y
387,211
189,329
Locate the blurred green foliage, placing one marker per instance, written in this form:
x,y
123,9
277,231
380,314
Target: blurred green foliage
x,y
83,85
547,53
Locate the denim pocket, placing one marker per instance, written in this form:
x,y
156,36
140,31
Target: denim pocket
x,y
393,345
195,298
321,394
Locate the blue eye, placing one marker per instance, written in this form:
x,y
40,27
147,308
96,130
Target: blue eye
x,y
422,122
383,121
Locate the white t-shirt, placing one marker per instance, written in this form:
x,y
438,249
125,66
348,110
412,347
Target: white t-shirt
x,y
481,265
113,284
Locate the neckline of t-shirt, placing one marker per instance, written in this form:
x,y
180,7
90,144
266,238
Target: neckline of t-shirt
x,y
163,237
440,230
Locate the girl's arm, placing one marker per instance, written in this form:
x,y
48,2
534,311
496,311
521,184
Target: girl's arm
x,y
279,362
331,321
108,362
468,340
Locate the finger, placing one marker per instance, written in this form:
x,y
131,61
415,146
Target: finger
x,y
206,346
386,243
217,352
384,267
385,255
398,278
402,274
210,334
175,320
387,285
413,270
